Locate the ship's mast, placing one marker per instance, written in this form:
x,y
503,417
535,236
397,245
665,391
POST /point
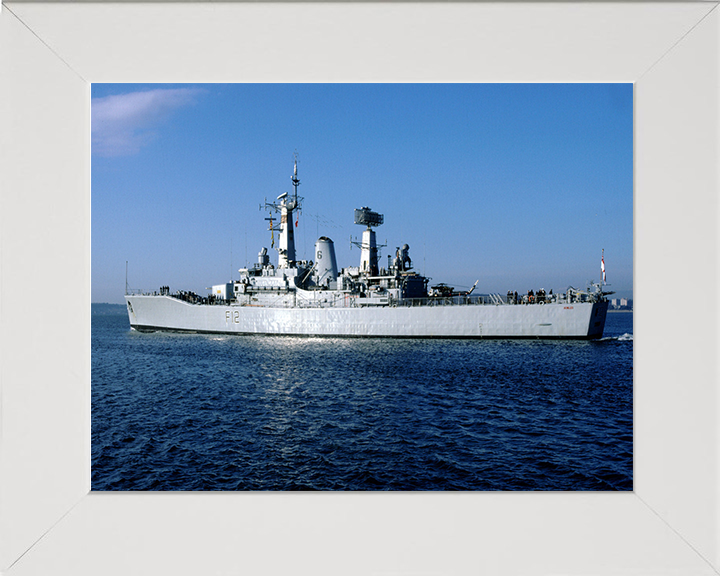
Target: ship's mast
x,y
295,180
286,207
368,246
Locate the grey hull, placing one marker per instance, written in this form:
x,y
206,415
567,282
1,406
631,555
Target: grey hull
x,y
582,320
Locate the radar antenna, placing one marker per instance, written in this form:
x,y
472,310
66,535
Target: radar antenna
x,y
366,216
368,247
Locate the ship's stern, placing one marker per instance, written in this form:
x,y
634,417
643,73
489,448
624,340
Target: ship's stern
x,y
598,314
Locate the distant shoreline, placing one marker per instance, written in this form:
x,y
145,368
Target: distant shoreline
x,y
103,308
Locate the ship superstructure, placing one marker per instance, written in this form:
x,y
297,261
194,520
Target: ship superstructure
x,y
301,297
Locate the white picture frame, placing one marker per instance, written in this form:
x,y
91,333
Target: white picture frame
x,y
50,522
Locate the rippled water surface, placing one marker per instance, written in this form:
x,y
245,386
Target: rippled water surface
x,y
200,412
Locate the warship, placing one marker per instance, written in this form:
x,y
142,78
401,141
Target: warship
x,y
315,298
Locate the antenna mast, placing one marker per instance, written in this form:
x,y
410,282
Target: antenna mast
x,y
295,180
285,206
368,246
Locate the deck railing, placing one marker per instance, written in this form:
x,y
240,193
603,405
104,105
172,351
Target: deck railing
x,y
348,300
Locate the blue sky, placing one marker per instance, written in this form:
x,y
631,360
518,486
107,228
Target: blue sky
x,y
519,186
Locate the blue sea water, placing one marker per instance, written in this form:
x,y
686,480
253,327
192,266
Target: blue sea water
x,y
203,412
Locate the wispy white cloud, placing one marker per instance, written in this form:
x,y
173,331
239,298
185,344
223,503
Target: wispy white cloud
x,y
123,124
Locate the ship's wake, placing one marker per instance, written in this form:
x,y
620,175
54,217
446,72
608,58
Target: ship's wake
x,y
624,338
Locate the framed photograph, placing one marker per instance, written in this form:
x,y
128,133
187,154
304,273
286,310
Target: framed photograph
x,y
51,54
285,375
